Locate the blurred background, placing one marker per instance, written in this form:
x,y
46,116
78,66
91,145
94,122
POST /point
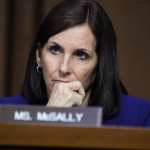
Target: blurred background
x,y
20,19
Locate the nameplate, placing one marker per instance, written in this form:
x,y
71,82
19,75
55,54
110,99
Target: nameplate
x,y
78,116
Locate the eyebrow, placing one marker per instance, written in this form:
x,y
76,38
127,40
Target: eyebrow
x,y
85,50
79,49
55,43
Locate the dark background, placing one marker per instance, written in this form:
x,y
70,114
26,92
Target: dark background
x,y
19,21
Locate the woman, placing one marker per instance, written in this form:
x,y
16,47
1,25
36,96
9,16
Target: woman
x,y
73,62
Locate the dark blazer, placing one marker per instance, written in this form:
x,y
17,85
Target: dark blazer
x,y
133,111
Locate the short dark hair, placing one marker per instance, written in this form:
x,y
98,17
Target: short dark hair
x,y
106,89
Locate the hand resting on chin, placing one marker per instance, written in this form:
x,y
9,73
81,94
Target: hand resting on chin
x,y
66,94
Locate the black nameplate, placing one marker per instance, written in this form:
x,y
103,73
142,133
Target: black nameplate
x,y
80,116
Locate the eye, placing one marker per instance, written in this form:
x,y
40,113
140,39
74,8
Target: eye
x,y
80,54
55,49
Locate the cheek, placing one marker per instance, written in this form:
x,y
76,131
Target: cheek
x,y
49,67
85,74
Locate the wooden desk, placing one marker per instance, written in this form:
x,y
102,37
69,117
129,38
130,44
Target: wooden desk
x,y
42,136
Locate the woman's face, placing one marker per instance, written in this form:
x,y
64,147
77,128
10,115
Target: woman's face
x,y
69,56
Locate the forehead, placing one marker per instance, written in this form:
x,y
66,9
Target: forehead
x,y
78,36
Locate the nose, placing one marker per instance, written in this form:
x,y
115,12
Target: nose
x,y
65,69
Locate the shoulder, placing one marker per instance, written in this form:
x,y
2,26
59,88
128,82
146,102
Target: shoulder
x,y
133,112
13,100
134,102
137,110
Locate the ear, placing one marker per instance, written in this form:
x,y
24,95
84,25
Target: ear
x,y
38,59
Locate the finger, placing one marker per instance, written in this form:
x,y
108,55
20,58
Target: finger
x,y
77,98
77,86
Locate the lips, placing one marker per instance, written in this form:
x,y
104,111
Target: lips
x,y
65,81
